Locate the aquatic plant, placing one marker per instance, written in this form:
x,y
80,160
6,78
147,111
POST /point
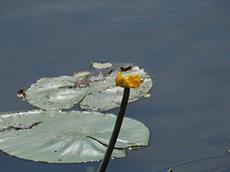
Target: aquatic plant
x,y
49,134
130,81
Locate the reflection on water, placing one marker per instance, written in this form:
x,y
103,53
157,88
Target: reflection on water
x,y
91,169
184,45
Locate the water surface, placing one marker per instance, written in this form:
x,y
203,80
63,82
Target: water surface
x,y
185,45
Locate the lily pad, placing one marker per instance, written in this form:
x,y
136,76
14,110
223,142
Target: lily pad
x,y
66,137
100,65
54,93
92,91
111,97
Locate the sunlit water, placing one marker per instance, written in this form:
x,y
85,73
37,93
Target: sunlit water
x,y
185,45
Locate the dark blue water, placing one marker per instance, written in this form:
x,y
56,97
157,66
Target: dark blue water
x,y
185,45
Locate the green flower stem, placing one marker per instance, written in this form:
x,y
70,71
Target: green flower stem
x,y
116,130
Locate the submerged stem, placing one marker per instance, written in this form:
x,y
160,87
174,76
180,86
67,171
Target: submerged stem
x,y
116,130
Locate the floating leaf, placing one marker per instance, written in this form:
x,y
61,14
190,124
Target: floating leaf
x,y
79,74
95,92
54,93
111,97
66,137
100,66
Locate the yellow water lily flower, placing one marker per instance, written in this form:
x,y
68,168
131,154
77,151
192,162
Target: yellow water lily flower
x,y
130,81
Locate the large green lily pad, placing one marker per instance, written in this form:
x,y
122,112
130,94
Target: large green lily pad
x,y
66,137
93,91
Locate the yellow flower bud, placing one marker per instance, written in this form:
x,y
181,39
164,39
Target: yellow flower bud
x,y
130,81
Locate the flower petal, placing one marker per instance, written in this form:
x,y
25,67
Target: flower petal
x,y
130,81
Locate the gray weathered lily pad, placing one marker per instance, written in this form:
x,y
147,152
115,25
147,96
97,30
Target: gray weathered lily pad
x,y
111,97
100,65
92,91
66,137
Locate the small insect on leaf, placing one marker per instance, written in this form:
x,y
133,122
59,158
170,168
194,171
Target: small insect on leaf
x,y
126,68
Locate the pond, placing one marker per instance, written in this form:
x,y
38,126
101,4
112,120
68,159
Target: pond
x,y
184,45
